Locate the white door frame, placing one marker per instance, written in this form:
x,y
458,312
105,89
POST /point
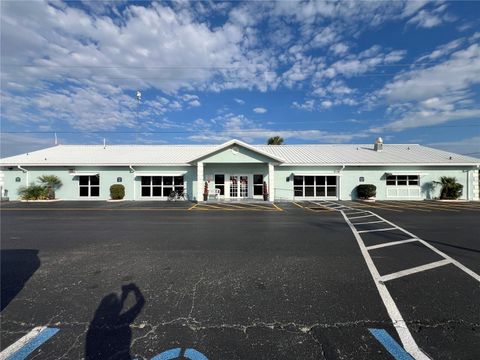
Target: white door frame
x,y
249,186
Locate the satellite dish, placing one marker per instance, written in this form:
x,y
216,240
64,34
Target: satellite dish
x,y
139,95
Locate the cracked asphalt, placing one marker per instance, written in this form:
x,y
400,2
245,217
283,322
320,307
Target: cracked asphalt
x,y
232,285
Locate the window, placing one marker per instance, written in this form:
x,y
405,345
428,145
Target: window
x,y
220,183
403,180
89,185
257,184
161,186
315,186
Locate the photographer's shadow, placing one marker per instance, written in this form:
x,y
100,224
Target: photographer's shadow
x,y
109,335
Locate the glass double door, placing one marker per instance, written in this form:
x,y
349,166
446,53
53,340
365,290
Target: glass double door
x,y
238,186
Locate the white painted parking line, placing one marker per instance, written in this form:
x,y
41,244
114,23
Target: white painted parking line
x,y
23,347
368,222
401,327
393,243
414,270
363,216
376,230
356,213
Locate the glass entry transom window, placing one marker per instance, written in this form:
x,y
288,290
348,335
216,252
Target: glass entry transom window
x,y
161,186
89,185
315,186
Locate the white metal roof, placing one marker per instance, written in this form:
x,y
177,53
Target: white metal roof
x,y
308,155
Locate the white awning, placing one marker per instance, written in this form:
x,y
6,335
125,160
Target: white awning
x,y
83,173
406,173
316,174
160,173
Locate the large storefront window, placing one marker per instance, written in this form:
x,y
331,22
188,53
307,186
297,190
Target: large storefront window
x,y
315,186
89,185
161,186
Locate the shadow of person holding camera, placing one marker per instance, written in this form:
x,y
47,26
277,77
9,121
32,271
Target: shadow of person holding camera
x,y
109,334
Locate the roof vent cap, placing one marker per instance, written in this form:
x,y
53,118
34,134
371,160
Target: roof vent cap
x,y
378,146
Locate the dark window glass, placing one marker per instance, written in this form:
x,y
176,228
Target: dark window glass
x,y
298,191
83,191
119,179
320,191
309,180
157,191
309,191
258,179
167,180
391,180
257,190
219,179
83,180
167,191
320,180
298,180
156,180
178,180
402,180
94,180
179,189
146,180
145,191
413,180
95,191
222,189
331,191
331,180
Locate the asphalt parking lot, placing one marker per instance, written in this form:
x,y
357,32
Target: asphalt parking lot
x,y
238,281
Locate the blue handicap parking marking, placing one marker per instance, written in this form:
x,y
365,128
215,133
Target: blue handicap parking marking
x,y
175,353
28,344
390,344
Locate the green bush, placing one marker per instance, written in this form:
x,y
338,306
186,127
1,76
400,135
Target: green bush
x,y
365,191
51,182
450,188
117,192
33,192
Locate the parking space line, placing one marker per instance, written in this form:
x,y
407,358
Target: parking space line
x,y
390,344
277,207
376,230
392,243
193,207
300,206
414,270
28,343
447,205
376,206
368,222
425,207
362,216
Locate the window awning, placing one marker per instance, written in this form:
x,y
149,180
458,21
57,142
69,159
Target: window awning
x,y
316,174
160,173
406,173
83,173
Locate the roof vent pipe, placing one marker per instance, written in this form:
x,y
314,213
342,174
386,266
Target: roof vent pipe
x,y
104,143
378,146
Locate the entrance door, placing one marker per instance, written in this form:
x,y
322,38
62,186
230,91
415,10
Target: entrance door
x,y
238,186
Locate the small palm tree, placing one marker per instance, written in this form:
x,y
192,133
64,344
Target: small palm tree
x,y
450,188
275,140
51,182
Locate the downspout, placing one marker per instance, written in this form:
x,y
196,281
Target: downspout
x,y
25,171
132,170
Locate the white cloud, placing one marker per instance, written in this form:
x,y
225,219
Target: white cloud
x,y
259,110
339,49
308,105
468,146
239,101
431,18
326,104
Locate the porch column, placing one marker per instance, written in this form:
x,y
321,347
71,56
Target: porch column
x,y
200,181
271,182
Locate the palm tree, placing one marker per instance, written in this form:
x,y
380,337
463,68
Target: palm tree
x,y
275,140
51,182
450,188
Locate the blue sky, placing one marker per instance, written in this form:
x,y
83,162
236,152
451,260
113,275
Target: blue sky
x,y
312,72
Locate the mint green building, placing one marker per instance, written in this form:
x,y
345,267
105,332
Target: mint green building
x,y
236,170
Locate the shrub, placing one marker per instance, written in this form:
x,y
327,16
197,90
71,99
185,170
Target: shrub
x,y
33,192
51,182
117,191
450,188
365,191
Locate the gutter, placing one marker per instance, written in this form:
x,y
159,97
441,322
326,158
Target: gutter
x,y
24,171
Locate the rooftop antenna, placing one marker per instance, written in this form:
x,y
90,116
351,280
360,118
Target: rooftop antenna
x,y
139,99
104,143
56,139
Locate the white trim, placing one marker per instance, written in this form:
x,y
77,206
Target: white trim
x,y
91,173
159,173
316,174
400,173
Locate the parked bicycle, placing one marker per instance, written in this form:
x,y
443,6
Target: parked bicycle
x,y
177,196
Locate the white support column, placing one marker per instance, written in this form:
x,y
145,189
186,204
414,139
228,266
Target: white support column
x,y
271,182
200,181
